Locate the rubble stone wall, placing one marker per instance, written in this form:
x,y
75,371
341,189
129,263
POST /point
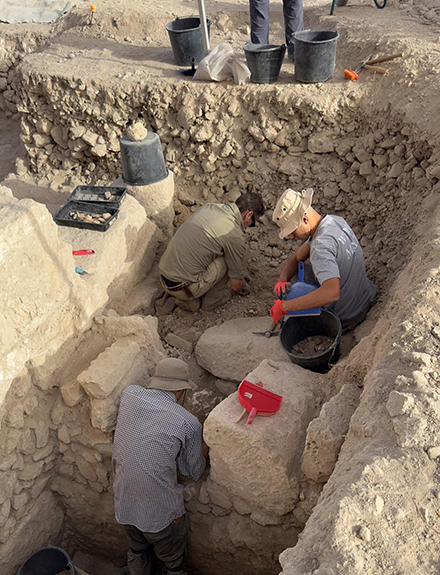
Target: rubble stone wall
x,y
222,140
46,448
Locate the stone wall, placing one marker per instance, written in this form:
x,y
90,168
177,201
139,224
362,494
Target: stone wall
x,y
47,339
220,141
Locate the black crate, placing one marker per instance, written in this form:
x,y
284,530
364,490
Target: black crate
x,y
63,217
96,194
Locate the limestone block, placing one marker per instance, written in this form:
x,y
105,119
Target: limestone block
x,y
31,471
321,143
5,510
31,532
72,393
104,412
326,434
231,350
108,370
63,433
120,365
142,330
85,469
7,485
260,463
43,452
158,202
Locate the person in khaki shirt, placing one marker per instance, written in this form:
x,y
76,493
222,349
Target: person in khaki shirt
x,y
206,256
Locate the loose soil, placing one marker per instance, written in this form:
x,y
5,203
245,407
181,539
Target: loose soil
x,y
312,345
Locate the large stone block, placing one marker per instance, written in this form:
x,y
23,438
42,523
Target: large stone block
x,y
231,350
107,371
326,434
260,463
118,366
44,302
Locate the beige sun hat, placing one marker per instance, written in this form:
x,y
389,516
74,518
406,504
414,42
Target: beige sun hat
x,y
290,210
171,375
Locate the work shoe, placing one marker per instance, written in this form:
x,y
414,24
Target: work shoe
x,y
189,304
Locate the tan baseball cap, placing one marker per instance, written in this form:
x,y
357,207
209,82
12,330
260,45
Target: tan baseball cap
x,y
171,375
290,210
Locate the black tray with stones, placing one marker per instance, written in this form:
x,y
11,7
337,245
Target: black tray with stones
x,y
86,215
111,197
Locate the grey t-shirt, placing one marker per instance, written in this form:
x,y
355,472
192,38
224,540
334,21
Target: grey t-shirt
x,y
336,253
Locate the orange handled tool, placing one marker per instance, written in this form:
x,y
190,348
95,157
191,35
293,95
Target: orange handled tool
x,y
353,74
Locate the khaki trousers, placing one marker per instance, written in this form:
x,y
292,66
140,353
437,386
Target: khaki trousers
x,y
214,286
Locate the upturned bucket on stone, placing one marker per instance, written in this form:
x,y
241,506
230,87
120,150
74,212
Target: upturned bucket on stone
x,y
315,55
264,61
187,40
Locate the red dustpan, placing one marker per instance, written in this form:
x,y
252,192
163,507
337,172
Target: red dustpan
x,y
257,401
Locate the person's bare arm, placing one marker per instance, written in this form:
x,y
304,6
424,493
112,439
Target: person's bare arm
x,y
327,293
238,285
290,268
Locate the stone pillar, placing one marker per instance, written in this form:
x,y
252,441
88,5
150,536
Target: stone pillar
x,y
158,201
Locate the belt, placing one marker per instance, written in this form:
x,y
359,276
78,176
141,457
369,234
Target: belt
x,y
184,286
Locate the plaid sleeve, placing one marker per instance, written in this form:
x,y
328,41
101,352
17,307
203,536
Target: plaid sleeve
x,y
190,461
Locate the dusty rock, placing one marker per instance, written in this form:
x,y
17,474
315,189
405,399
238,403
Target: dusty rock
x,y
137,132
231,350
179,342
326,434
109,369
254,451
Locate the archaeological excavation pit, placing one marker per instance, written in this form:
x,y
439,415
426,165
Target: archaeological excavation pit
x,y
344,478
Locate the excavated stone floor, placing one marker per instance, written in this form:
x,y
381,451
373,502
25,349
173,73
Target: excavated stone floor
x,y
370,149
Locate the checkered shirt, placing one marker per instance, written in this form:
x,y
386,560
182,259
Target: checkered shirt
x,y
155,438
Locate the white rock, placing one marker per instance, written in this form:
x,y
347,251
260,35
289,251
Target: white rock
x,y
245,459
231,350
108,370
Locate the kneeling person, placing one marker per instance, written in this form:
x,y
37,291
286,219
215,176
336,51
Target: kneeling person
x,y
206,256
336,259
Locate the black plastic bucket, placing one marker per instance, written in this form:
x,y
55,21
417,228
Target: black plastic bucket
x,y
47,561
295,329
315,55
264,61
187,40
142,161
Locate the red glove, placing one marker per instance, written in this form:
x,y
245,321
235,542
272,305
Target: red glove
x,y
280,287
277,311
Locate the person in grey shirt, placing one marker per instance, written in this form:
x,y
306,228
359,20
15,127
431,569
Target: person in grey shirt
x,y
155,440
336,259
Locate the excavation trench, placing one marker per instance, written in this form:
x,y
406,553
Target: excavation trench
x,y
366,162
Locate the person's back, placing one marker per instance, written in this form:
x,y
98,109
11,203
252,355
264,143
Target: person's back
x,y
202,238
153,433
336,252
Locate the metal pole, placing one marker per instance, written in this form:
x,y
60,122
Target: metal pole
x,y
205,36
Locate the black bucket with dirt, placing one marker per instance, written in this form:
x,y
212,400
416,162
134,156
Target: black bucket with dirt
x,y
48,561
264,61
315,55
187,40
313,342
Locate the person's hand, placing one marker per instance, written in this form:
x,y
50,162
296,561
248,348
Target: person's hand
x,y
246,290
277,311
281,287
